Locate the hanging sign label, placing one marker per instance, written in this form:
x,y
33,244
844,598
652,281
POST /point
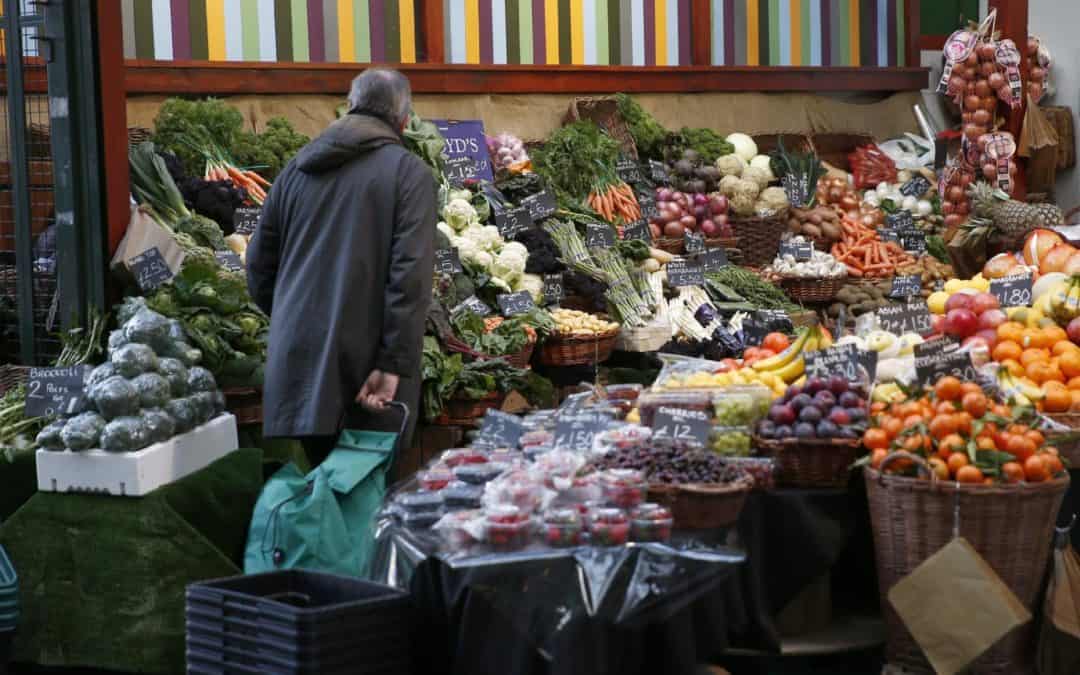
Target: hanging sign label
x,y
511,221
714,259
246,218
681,424
912,317
1013,291
465,152
447,261
685,272
54,391
150,269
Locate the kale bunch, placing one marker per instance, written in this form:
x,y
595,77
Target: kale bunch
x,y
543,253
217,200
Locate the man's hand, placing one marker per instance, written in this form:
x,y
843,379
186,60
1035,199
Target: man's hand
x,y
378,390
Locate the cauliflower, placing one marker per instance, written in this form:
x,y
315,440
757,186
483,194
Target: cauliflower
x,y
447,230
772,200
516,246
509,265
747,187
466,247
460,214
500,284
745,146
534,284
728,184
759,175
731,165
481,259
743,203
485,238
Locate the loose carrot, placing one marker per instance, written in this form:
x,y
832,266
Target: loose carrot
x,y
259,179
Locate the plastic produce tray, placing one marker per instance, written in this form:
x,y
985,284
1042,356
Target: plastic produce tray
x,y
207,662
328,652
134,474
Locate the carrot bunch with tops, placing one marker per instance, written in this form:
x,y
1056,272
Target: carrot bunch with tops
x,y
615,200
254,184
865,255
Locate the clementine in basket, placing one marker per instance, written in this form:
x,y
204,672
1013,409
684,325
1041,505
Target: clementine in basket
x,y
939,467
1036,437
913,420
945,408
875,439
1056,399
1035,469
968,387
942,425
1054,465
975,404
877,457
1075,395
1001,410
1033,354
1006,350
1040,371
1069,362
892,426
951,444
948,388
957,461
1064,347
1020,447
969,474
1012,472
985,443
965,422
1011,331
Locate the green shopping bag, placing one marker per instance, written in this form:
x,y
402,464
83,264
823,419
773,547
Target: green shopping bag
x,y
323,521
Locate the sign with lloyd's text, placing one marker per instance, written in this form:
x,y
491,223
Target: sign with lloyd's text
x,y
465,153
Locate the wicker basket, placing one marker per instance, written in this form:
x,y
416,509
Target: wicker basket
x,y
1067,442
519,359
1061,118
834,148
670,244
12,376
722,242
245,404
577,350
793,142
645,339
811,463
759,237
1011,526
812,290
804,319
605,113
703,506
137,135
460,409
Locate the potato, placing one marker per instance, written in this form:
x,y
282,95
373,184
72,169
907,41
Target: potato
x,y
812,231
795,226
831,231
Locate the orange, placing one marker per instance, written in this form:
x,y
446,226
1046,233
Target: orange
x,y
908,408
957,461
945,408
939,467
964,423
1035,469
1012,472
877,457
1020,447
892,426
1063,347
1053,464
948,388
1055,334
1070,363
975,404
1031,355
1001,410
1073,383
1036,437
1056,399
777,342
942,425
1039,372
913,420
878,407
985,443
969,387
1005,350
1075,395
1015,368
917,443
875,439
969,474
1011,331
951,444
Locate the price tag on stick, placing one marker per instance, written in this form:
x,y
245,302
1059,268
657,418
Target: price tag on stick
x,y
554,291
512,221
906,286
150,269
512,304
801,251
500,430
714,259
682,424
229,261
912,317
473,304
54,391
848,361
1013,291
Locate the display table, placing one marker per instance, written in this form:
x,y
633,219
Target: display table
x,y
586,610
102,579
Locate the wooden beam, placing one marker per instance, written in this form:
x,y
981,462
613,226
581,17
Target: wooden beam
x,y
112,94
701,33
433,22
912,14
1012,23
238,78
932,43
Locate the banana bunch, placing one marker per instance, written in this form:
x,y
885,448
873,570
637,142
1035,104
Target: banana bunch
x,y
1064,302
1019,390
789,365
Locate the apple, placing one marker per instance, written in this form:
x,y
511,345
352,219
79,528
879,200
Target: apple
x,y
937,324
1073,330
991,319
961,323
988,334
983,302
978,348
959,301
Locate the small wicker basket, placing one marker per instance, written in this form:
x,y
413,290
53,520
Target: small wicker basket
x,y
672,245
605,113
811,463
812,290
834,148
759,237
460,409
722,242
703,506
577,350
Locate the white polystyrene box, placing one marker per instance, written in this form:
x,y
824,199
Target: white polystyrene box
x,y
134,474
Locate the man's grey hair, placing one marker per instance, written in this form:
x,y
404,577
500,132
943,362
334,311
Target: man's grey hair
x,y
382,93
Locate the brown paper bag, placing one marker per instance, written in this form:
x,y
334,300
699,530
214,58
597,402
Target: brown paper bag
x,y
1039,142
956,607
144,233
1059,640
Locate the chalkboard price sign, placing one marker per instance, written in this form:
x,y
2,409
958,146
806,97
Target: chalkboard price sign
x,y
575,430
599,236
681,424
906,286
916,187
913,241
246,219
714,259
801,251
848,361
901,220
512,304
54,391
150,269
541,205
639,229
554,291
472,304
649,209
685,272
912,317
460,169
1013,291
659,173
512,221
694,242
765,321
629,171
500,430
447,261
797,189
932,367
229,260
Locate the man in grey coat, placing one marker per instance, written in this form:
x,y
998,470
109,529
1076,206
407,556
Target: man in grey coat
x,y
341,261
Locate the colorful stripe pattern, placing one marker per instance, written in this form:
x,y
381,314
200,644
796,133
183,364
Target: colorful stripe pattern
x,y
808,32
319,31
568,32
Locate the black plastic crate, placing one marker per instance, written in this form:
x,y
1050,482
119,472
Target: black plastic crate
x,y
378,646
207,662
6,638
372,658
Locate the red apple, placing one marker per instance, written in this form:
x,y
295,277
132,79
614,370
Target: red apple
x,y
937,324
989,335
991,319
983,302
1073,330
959,301
961,323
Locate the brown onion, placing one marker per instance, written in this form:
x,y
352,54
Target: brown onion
x,y
969,73
849,202
986,51
972,58
972,103
983,142
963,208
955,193
966,178
1005,93
953,221
989,103
969,88
983,118
948,207
982,89
1038,74
1036,90
989,171
972,131
957,83
987,68
996,81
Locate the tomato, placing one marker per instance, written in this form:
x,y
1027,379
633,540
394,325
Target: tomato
x,y
777,342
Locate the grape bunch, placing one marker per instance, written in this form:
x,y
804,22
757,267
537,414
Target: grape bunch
x,y
672,462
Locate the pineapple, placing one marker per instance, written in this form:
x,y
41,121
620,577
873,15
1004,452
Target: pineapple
x,y
1012,219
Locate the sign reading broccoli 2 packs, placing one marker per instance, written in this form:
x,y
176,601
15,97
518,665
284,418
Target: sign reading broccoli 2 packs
x,y
54,391
466,151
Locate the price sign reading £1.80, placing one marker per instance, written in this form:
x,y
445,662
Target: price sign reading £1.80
x,y
1014,291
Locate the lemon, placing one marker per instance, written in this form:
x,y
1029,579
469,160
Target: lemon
x,y
936,302
979,283
954,285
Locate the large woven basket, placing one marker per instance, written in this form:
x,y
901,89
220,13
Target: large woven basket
x,y
672,245
1061,118
812,290
1011,526
645,339
703,506
577,350
605,113
245,403
1067,442
834,148
722,242
460,409
519,359
759,237
811,463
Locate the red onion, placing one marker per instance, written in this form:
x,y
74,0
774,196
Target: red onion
x,y
664,195
700,212
688,222
718,204
700,199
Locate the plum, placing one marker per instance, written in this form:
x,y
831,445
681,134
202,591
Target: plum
x,y
783,431
848,432
826,429
814,385
767,429
839,416
804,430
811,414
849,399
838,385
824,399
782,413
856,414
800,402
792,391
